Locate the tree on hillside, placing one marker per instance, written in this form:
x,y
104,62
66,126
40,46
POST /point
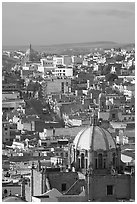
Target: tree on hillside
x,y
120,58
8,62
111,77
107,69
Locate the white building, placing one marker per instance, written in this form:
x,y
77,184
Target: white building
x,y
68,72
58,60
47,62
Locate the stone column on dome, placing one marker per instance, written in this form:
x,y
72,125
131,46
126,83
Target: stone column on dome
x,y
108,161
118,156
90,158
89,185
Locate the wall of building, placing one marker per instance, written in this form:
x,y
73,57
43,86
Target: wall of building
x,y
39,126
68,72
13,95
71,198
11,189
120,116
132,187
122,189
12,104
128,117
123,186
28,192
58,60
9,131
56,179
27,126
103,115
40,199
55,86
67,60
37,183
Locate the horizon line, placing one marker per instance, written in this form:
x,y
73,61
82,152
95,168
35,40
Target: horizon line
x,y
94,42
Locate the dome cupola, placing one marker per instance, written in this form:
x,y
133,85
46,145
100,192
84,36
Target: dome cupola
x,y
94,146
94,138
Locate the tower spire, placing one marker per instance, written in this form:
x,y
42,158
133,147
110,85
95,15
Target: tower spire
x,y
30,46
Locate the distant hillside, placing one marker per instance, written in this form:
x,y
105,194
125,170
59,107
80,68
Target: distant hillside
x,y
84,44
72,48
8,62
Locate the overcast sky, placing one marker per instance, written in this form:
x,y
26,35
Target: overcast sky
x,y
56,23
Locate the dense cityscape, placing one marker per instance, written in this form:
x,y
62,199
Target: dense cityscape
x,y
68,126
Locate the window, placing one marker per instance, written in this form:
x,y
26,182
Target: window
x,y
96,163
100,161
79,163
62,87
5,191
113,116
82,160
63,187
109,190
86,161
104,164
114,159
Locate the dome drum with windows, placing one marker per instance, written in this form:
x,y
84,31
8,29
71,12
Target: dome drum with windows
x,y
94,147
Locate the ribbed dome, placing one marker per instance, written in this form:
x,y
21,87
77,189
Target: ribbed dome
x,y
94,138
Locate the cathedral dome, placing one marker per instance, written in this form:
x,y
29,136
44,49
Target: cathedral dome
x,y
94,138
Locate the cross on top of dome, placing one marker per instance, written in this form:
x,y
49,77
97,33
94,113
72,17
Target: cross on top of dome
x,y
94,118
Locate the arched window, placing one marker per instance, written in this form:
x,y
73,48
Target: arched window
x,y
104,163
114,159
5,191
79,163
100,161
96,163
86,162
82,160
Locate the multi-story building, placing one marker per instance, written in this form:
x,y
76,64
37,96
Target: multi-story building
x,y
54,85
63,71
9,131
